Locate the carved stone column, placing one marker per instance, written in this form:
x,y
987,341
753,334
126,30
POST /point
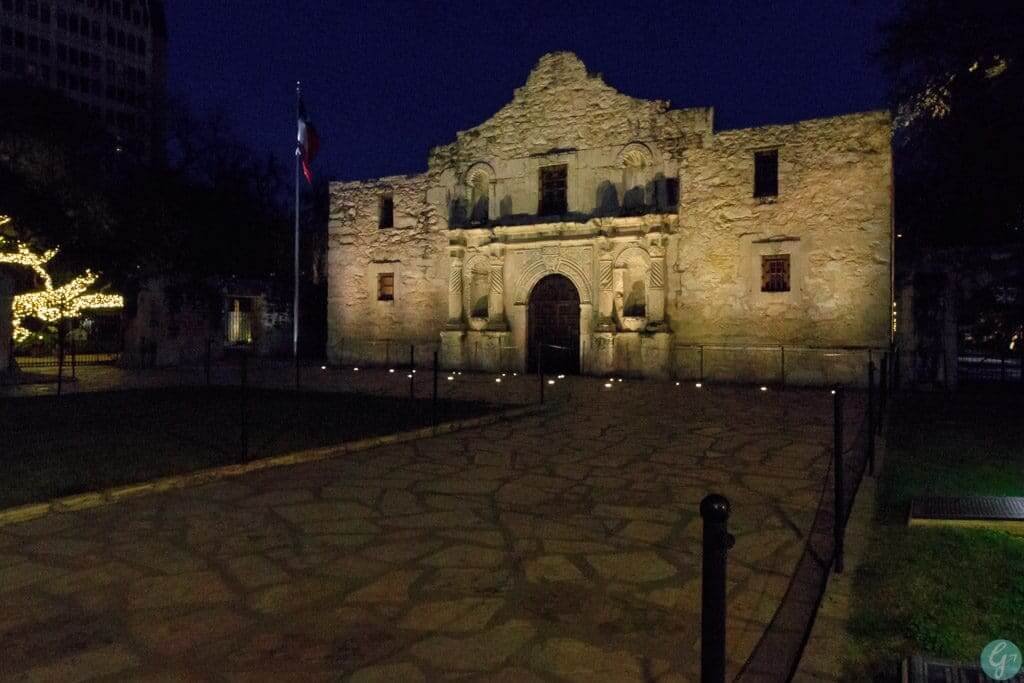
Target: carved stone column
x,y
606,295
455,321
656,290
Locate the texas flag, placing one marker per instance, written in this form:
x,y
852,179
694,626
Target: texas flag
x,y
309,142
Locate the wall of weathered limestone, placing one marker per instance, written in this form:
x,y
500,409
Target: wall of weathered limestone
x,y
360,327
462,279
832,214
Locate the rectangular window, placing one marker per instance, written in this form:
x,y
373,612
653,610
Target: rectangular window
x,y
775,273
552,191
766,173
240,317
387,211
385,287
671,192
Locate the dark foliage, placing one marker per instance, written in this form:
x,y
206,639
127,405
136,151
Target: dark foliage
x,y
213,208
957,72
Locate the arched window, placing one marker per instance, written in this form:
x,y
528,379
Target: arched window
x,y
479,194
635,171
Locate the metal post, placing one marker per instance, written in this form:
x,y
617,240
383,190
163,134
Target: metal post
x,y
896,370
74,354
540,370
412,373
701,362
717,541
60,354
244,406
433,399
871,419
782,352
883,390
839,503
208,360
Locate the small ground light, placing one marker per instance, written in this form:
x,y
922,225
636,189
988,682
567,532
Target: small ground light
x,y
561,377
391,370
607,385
356,369
323,367
764,388
551,381
677,384
498,380
409,376
699,385
451,377
503,374
833,392
414,372
514,374
619,379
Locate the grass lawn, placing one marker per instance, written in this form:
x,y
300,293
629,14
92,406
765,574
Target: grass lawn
x,y
81,442
941,592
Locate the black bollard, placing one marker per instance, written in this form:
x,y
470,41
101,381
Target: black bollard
x,y
540,370
870,442
433,396
883,391
839,507
714,509
243,402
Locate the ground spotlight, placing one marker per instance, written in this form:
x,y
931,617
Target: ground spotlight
x,y
764,388
551,381
607,385
699,385
451,377
498,380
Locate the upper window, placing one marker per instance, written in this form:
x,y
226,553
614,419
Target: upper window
x,y
552,190
766,173
386,287
671,192
775,273
387,211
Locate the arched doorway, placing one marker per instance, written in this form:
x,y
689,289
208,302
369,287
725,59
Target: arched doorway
x,y
554,323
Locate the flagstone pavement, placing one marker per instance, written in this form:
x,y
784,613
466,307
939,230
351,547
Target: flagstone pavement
x,y
560,546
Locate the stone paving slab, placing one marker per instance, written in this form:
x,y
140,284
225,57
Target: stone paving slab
x,y
563,546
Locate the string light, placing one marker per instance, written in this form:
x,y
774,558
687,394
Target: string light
x,y
51,304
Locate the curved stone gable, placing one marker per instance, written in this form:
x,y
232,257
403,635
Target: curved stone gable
x,y
563,107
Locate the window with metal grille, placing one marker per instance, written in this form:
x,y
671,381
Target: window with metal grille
x,y
775,273
552,190
766,173
387,211
386,287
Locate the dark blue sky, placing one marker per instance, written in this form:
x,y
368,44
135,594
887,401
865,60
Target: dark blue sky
x,y
385,81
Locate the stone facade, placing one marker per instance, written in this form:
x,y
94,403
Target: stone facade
x,y
649,213
174,321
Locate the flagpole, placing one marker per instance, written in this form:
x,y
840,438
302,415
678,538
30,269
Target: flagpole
x,y
295,309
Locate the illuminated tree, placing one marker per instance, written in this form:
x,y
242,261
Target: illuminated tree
x,y
50,304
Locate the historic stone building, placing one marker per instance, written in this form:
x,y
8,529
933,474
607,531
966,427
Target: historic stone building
x,y
608,234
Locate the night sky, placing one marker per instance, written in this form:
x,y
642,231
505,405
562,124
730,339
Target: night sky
x,y
385,81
